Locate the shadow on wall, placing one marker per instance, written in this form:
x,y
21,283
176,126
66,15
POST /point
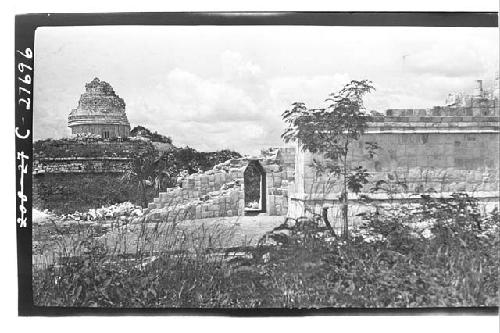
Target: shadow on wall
x,y
254,178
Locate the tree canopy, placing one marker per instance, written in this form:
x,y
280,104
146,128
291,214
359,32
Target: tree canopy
x,y
329,131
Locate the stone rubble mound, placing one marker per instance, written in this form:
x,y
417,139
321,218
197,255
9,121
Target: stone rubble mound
x,y
121,211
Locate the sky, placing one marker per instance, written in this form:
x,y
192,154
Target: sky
x,y
218,87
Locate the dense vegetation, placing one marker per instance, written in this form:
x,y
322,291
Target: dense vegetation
x,y
67,193
437,253
153,136
329,133
151,171
88,147
190,160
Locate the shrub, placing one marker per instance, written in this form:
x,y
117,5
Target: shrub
x,y
390,262
393,261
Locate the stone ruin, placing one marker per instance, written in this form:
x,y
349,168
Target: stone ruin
x,y
221,191
438,151
100,111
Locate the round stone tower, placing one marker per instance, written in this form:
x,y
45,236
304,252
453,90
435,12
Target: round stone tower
x,y
100,111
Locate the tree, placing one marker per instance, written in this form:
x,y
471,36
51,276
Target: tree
x,y
152,169
144,169
329,132
141,131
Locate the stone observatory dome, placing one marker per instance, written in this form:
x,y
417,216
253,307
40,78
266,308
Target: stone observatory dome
x,y
100,111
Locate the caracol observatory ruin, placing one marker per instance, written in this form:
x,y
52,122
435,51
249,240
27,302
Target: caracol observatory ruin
x,y
100,111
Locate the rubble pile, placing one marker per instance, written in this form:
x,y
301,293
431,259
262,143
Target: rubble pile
x,y
301,230
84,137
122,211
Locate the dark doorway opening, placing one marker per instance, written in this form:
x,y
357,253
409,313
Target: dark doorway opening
x,y
254,178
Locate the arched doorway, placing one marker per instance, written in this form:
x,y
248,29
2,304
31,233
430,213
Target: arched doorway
x,y
254,178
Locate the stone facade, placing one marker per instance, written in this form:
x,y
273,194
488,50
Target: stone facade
x,y
80,165
73,156
100,111
438,151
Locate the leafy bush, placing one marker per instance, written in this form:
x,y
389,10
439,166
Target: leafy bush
x,y
153,136
95,281
392,261
88,147
188,160
66,193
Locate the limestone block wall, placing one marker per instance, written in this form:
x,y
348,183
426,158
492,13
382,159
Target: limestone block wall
x,y
213,204
424,162
437,153
473,108
220,192
69,156
100,111
80,165
279,179
297,208
90,148
111,130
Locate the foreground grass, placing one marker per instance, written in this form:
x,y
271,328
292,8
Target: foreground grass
x,y
455,263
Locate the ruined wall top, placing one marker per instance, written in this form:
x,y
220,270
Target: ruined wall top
x,y
475,112
436,121
482,102
99,104
485,117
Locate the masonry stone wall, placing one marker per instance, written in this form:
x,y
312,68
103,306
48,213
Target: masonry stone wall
x,y
95,148
424,162
100,111
80,165
220,191
104,130
428,151
73,156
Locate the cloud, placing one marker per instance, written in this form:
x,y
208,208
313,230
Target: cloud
x,y
226,111
47,122
220,135
457,59
312,90
235,66
226,87
185,96
240,109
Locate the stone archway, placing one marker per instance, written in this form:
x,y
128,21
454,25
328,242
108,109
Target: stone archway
x,y
254,178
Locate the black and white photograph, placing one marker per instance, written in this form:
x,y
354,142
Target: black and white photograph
x,y
261,166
